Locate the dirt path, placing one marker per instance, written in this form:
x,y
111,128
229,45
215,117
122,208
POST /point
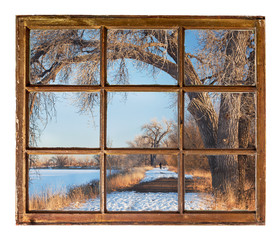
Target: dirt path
x,y
161,185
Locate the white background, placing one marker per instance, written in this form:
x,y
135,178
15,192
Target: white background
x,y
10,8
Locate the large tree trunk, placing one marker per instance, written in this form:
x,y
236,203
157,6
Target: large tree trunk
x,y
206,119
153,158
245,122
247,109
225,132
203,111
226,172
229,169
243,134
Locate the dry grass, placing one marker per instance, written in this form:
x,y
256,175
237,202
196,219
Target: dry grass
x,y
202,180
57,201
125,179
202,183
173,169
48,201
228,200
231,201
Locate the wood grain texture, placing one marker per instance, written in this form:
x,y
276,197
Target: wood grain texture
x,y
138,88
261,123
140,218
202,22
20,119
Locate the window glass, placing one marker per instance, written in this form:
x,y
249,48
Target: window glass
x,y
142,57
68,57
142,183
221,182
63,182
142,120
64,119
219,57
219,120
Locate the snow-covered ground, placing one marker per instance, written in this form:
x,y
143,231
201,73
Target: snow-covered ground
x,y
157,173
150,201
135,201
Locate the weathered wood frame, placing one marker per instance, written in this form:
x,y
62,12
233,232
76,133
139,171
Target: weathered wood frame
x,y
23,88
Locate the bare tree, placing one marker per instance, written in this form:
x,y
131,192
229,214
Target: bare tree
x,y
226,57
60,161
155,132
153,136
229,55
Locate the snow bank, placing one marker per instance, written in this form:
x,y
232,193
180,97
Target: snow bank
x,y
198,201
150,201
134,201
157,173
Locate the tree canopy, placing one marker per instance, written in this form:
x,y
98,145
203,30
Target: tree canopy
x,y
224,57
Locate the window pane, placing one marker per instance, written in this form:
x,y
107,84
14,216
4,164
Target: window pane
x,y
222,182
219,120
219,57
142,57
142,120
63,182
64,119
142,183
65,56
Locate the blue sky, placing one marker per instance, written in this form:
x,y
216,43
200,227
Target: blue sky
x,y
125,115
144,77
70,128
191,41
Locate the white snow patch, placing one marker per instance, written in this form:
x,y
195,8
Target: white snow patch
x,y
135,201
157,173
150,201
198,201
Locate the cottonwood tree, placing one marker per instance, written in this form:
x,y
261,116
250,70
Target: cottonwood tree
x,y
153,135
60,161
229,56
225,57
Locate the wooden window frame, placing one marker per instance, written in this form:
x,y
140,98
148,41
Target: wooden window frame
x,y
23,26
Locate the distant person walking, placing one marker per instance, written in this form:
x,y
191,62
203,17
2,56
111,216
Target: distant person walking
x,y
160,165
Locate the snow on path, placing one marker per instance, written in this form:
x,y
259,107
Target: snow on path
x,y
148,201
134,201
157,173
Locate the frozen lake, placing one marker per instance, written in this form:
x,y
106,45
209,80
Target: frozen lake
x,y
58,180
